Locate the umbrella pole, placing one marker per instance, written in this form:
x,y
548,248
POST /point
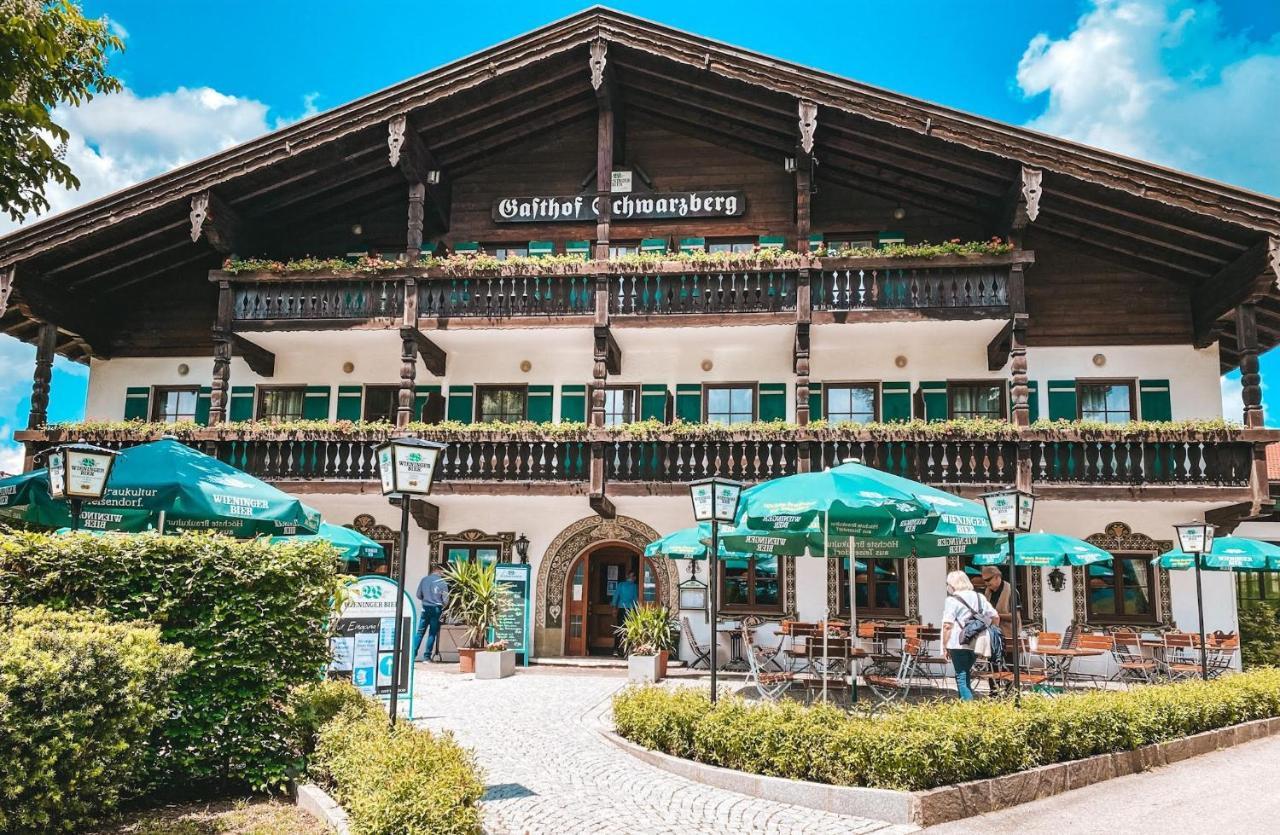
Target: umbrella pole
x,y
1204,652
75,514
160,523
712,564
853,623
1014,608
826,626
396,660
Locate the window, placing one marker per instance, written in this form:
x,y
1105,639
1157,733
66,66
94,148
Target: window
x,y
619,250
1254,587
852,240
976,400
1105,401
281,403
381,403
732,245
1123,591
505,404
503,251
620,405
1024,584
172,403
851,403
486,554
751,583
880,588
730,404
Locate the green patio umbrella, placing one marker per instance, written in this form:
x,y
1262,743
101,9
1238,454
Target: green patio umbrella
x,y
1229,553
688,543
169,486
350,544
1046,550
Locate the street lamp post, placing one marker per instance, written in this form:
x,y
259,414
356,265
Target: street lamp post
x,y
407,467
715,500
1010,511
78,473
1196,539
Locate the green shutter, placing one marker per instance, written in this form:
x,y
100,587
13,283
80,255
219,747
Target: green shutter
x,y
653,402
466,246
658,245
815,240
887,238
934,395
895,401
420,396
462,404
693,244
573,404
538,403
815,401
689,402
540,249
204,399
773,401
1153,400
315,403
772,242
240,406
580,248
349,402
1062,400
137,400
1033,400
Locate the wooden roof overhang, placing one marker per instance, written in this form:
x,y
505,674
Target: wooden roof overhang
x,y
1218,239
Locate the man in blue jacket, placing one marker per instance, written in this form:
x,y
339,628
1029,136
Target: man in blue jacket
x,y
433,594
625,597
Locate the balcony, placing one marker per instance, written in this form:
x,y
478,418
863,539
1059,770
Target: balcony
x,y
1069,463
948,285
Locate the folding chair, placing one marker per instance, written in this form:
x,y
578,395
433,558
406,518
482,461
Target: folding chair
x,y
1222,651
1181,656
1092,641
1132,665
1032,673
701,652
770,684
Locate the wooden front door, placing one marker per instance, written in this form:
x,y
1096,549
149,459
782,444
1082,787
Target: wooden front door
x,y
589,612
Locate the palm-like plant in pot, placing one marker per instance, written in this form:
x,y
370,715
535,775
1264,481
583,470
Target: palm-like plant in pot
x,y
477,599
648,632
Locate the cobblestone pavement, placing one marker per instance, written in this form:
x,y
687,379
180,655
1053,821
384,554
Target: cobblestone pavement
x,y
549,771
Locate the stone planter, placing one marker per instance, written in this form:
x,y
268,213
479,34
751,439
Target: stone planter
x,y
491,665
467,660
644,668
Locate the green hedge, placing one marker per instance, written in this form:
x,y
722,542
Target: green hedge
x,y
921,747
254,615
397,781
78,698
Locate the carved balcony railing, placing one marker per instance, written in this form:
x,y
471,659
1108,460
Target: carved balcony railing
x,y
495,297
311,300
1145,462
920,287
703,291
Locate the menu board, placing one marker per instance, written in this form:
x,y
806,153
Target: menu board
x,y
362,644
513,627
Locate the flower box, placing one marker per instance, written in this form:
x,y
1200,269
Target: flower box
x,y
495,664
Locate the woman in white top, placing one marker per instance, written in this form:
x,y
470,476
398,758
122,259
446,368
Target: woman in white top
x,y
962,604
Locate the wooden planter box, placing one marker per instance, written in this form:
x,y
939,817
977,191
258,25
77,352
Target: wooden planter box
x,y
490,665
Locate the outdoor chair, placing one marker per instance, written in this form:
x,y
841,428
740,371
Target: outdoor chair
x,y
1033,672
1048,639
1092,641
891,678
701,652
1132,665
770,684
1181,656
1222,651
768,655
796,653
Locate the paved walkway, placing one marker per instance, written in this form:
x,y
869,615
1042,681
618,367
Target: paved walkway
x,y
1231,792
549,771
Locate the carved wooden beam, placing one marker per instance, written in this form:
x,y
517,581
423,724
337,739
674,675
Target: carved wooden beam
x,y
808,124
1253,275
410,155
999,346
424,513
608,350
595,495
7,273
596,64
433,356
216,221
260,361
1021,205
46,345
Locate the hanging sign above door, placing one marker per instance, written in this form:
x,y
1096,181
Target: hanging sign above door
x,y
657,205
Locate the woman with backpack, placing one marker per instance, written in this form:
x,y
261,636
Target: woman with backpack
x,y
966,618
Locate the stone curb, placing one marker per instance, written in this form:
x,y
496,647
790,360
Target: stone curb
x,y
963,800
311,798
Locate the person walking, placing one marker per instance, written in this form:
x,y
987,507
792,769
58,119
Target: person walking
x,y
433,594
1000,595
963,605
626,594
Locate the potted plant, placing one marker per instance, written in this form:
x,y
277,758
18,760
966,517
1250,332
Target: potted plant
x,y
496,661
648,635
476,600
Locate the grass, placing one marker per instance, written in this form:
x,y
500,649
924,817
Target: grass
x,y
224,817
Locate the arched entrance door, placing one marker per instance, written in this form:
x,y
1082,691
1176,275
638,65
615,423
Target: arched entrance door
x,y
590,616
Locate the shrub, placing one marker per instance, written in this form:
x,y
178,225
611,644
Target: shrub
x,y
255,616
924,746
314,704
1259,635
397,781
78,697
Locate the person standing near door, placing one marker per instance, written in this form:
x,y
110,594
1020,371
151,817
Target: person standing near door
x,y
625,597
433,594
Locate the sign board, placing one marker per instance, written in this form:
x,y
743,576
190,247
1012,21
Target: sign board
x,y
620,183
515,626
665,205
362,644
57,476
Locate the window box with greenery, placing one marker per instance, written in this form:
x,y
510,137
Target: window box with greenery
x,y
477,599
648,635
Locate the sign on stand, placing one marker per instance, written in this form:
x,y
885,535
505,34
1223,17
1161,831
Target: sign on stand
x,y
514,626
362,645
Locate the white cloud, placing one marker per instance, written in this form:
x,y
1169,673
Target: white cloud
x,y
1163,80
1232,404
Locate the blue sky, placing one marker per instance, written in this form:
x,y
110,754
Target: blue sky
x,y
1151,78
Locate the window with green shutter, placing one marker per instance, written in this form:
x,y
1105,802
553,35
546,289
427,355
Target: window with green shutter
x,y
654,245
889,238
428,404
1033,400
204,400
1154,400
541,249
582,249
689,402
1062,400
773,401
240,404
933,396
461,406
895,401
815,401
137,402
171,404
538,407
466,246
350,399
315,406
815,240
693,244
654,400
573,404
772,242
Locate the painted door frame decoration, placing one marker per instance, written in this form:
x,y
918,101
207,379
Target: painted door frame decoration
x,y
438,541
1118,538
366,524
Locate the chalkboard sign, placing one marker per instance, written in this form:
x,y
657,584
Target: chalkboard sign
x,y
513,627
362,644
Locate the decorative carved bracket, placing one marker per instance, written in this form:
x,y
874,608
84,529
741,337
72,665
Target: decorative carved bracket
x,y
407,152
433,356
999,346
596,63
7,273
1254,274
608,350
260,361
1031,191
217,221
395,138
808,124
425,514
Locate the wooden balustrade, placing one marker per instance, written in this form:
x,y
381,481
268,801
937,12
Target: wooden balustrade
x,y
929,462
502,296
678,460
713,291
371,299
1105,462
911,288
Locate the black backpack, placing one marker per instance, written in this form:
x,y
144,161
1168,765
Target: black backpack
x,y
974,626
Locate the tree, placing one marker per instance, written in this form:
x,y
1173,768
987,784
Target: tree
x,y
49,55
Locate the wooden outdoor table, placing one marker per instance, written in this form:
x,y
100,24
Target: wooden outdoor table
x,y
1059,660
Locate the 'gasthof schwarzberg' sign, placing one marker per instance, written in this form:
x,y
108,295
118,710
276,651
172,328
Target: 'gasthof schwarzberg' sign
x,y
640,206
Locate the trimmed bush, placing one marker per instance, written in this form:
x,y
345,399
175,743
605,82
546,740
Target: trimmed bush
x,y
78,698
398,781
1259,634
316,704
254,615
925,746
